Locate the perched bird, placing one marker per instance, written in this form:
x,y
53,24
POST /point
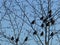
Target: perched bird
x,y
35,32
17,39
26,39
33,22
45,20
50,11
42,33
52,21
52,34
49,15
42,25
48,24
41,18
12,38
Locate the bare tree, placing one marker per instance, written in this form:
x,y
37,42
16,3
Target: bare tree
x,y
30,22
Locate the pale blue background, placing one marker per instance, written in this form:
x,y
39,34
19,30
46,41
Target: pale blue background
x,y
6,23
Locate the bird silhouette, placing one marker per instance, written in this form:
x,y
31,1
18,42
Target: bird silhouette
x,y
26,39
35,32
52,34
41,18
49,15
52,21
48,24
33,22
12,38
42,33
17,39
45,20
50,11
42,25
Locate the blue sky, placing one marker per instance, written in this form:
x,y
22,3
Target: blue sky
x,y
10,22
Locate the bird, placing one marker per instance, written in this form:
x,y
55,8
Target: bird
x,y
48,24
12,38
41,18
52,34
26,39
42,25
33,22
42,33
35,32
45,20
17,39
50,11
52,21
50,15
